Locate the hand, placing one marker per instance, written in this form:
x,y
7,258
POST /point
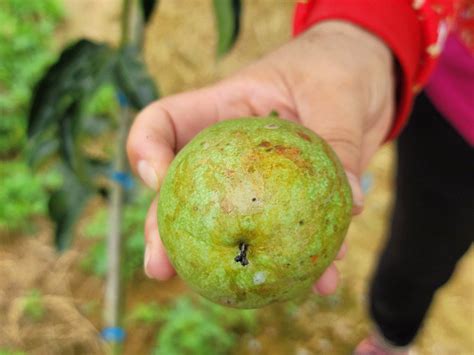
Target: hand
x,y
335,79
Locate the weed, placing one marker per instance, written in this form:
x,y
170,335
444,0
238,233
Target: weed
x,y
95,260
26,45
33,305
201,328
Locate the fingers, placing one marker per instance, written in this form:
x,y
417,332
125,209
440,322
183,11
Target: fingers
x,y
342,252
156,263
327,283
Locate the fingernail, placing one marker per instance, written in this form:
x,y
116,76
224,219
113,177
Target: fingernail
x,y
357,194
147,174
147,260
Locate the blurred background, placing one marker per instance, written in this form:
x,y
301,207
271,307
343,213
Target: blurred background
x,y
60,290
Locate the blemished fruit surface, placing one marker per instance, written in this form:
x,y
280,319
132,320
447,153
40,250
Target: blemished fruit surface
x,y
253,210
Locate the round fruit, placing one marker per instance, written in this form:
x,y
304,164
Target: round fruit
x,y
253,210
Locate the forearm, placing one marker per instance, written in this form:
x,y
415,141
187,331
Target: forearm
x,y
413,30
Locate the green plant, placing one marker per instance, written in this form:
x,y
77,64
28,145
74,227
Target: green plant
x,y
33,306
11,352
23,195
202,328
26,47
147,313
95,260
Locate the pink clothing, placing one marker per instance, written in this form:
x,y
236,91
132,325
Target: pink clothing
x,y
451,87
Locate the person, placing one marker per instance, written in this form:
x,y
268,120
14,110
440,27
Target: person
x,y
351,74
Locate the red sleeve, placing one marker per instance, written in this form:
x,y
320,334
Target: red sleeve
x,y
414,30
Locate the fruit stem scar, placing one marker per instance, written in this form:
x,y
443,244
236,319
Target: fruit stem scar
x,y
242,257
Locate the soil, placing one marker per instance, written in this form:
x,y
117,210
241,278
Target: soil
x,y
180,53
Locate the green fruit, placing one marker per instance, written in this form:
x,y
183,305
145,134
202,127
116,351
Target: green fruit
x,y
253,210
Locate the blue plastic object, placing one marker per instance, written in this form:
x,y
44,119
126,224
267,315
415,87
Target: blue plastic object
x,y
124,179
113,334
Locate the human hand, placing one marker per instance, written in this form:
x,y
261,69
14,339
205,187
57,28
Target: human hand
x,y
335,79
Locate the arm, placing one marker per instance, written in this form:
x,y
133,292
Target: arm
x,y
314,79
414,30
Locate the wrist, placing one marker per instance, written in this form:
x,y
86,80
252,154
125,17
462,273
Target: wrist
x,y
368,46
363,61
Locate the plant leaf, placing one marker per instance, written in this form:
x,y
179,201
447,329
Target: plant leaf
x,y
80,69
41,150
147,8
68,134
60,96
65,207
227,13
133,79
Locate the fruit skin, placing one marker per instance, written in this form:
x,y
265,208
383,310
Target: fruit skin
x,y
266,182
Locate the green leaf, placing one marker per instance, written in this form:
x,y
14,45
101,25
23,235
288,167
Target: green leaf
x,y
33,305
65,207
41,150
68,134
60,97
227,13
98,167
79,71
147,8
133,79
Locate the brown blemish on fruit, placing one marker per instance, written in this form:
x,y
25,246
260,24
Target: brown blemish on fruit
x,y
227,206
314,258
289,152
294,154
304,136
265,144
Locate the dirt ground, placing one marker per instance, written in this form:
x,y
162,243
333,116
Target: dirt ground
x,y
180,54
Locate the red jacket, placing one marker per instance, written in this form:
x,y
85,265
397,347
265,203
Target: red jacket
x,y
415,30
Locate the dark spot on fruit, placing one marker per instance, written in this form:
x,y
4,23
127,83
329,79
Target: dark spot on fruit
x,y
265,144
314,258
254,199
242,257
268,149
304,136
289,152
301,222
227,206
251,169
